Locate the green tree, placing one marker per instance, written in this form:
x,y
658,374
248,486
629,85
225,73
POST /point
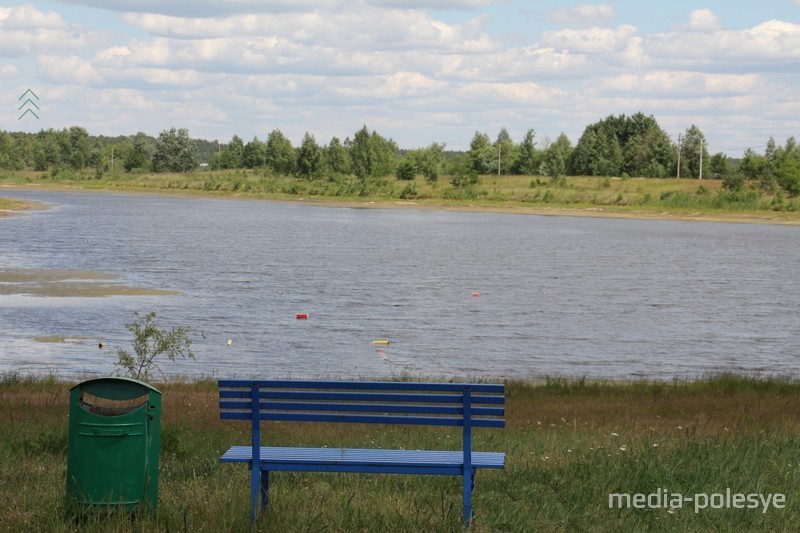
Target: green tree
x,y
280,155
372,155
529,158
255,154
718,166
787,172
618,145
174,151
752,165
554,160
79,147
504,152
139,153
151,342
481,154
360,154
309,158
11,157
335,157
693,145
429,161
233,154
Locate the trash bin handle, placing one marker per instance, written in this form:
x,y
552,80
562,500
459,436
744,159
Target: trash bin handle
x,y
113,432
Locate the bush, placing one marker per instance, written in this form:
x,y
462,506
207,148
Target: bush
x,y
151,342
406,171
464,177
733,181
409,192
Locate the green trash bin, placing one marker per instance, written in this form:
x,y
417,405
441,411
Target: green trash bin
x,y
112,456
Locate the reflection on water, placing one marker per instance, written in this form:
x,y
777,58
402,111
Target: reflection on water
x,y
554,296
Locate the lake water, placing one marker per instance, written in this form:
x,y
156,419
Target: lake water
x,y
454,293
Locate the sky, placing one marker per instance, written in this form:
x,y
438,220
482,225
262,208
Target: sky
x,y
416,71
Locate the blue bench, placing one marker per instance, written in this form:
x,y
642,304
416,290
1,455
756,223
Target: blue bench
x,y
430,404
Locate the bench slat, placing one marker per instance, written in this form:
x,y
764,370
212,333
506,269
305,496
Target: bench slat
x,y
360,396
364,419
355,457
364,385
361,408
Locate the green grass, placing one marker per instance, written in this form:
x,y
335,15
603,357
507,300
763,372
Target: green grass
x,y
620,196
570,442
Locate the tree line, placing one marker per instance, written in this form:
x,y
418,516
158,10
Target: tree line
x,y
621,145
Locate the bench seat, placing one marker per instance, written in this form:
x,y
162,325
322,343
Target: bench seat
x,y
363,460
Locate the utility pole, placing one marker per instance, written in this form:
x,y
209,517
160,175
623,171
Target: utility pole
x,y
498,158
679,156
702,142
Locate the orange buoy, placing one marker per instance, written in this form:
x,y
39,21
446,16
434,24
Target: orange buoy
x,y
302,316
476,294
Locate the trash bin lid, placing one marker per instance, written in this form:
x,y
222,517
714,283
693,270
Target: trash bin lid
x,y
113,388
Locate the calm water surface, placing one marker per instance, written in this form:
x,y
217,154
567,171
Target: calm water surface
x,y
556,296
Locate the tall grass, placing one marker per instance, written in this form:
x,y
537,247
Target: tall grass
x,y
623,195
570,442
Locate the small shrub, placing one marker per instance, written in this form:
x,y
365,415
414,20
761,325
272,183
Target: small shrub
x,y
464,177
409,192
151,342
406,171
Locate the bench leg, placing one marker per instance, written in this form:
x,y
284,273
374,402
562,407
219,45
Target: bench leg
x,y
265,489
469,482
255,484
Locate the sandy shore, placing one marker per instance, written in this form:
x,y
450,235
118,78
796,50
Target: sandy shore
x,y
596,212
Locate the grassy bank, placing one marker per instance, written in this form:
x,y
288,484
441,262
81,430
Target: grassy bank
x,y
9,205
569,442
584,196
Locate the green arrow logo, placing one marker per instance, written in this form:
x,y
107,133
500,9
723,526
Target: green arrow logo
x,y
28,104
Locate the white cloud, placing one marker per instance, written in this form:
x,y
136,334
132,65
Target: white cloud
x,y
9,72
583,15
768,46
67,70
28,17
680,84
27,30
367,28
594,40
512,93
704,20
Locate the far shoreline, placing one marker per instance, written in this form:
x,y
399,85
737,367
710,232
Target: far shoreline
x,y
740,217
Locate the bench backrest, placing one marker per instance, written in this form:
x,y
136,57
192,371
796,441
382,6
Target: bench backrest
x,y
433,404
